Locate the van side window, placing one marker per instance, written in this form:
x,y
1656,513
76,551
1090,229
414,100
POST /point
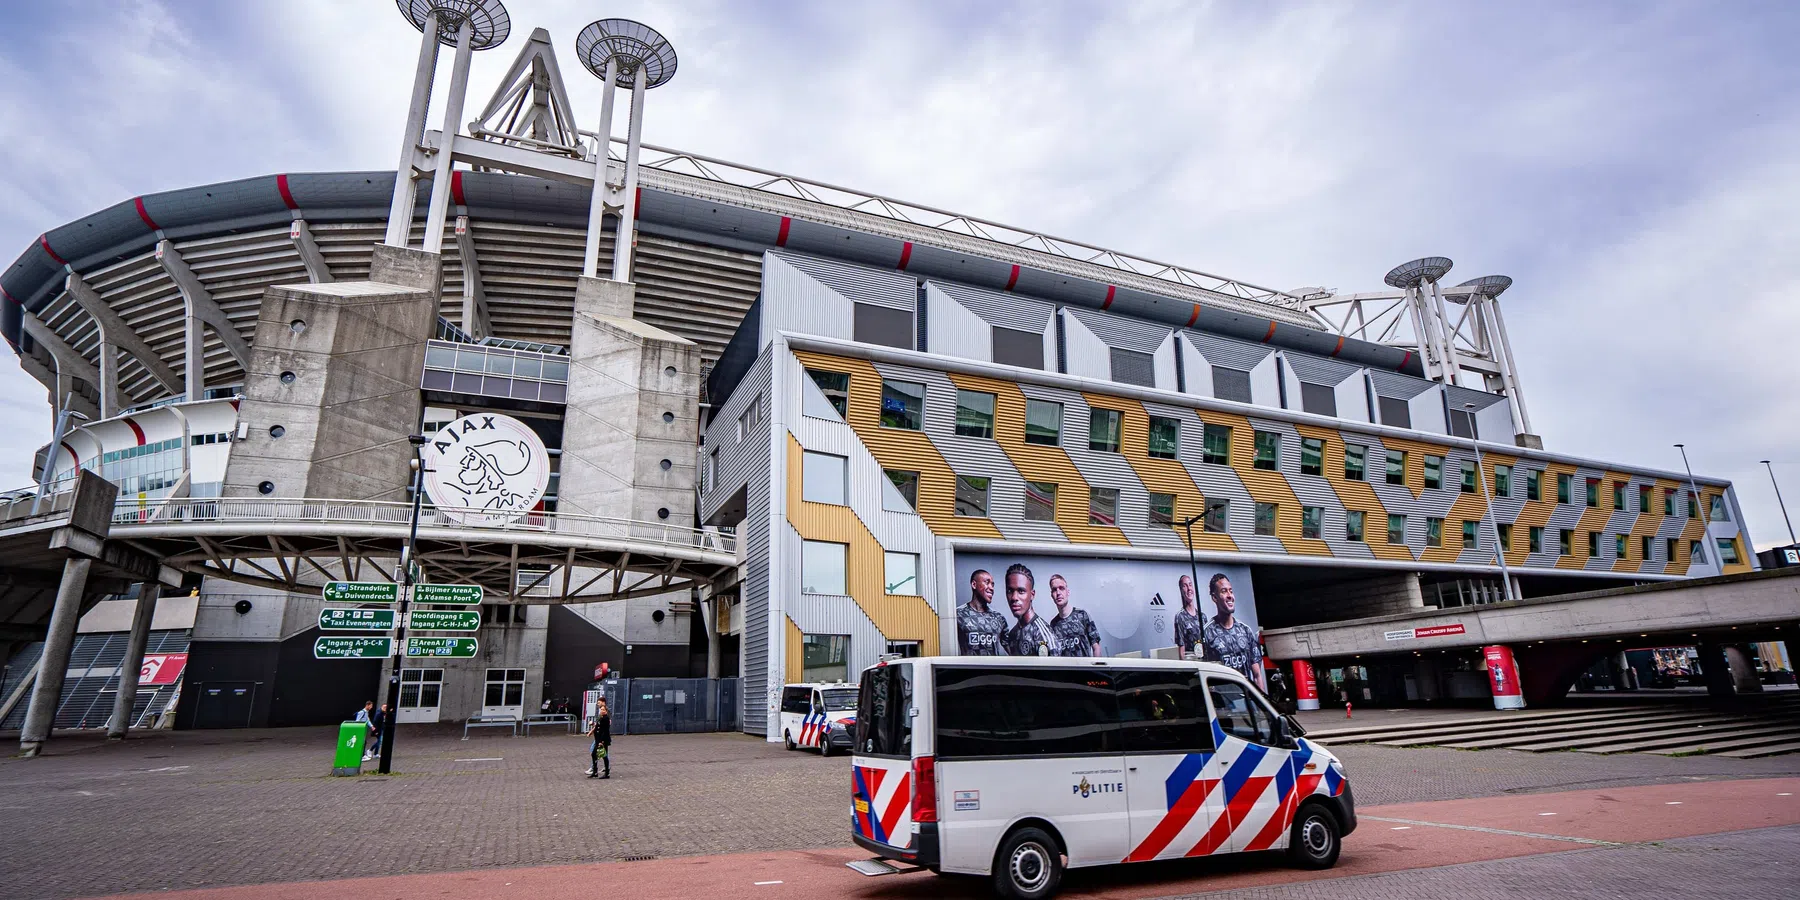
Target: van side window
x,y
988,711
883,711
1238,714
1162,711
794,700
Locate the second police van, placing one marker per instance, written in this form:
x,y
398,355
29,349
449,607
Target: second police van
x,y
1016,768
818,716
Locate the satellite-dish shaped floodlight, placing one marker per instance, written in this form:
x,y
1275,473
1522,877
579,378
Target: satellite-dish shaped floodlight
x,y
1488,285
1409,275
488,22
632,44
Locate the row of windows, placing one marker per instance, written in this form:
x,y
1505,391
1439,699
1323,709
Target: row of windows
x,y
825,569
143,450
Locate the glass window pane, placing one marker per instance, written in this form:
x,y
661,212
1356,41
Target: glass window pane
x,y
556,370
1312,521
1218,515
1103,506
900,493
528,367
822,478
1024,712
1162,509
822,568
1718,508
515,694
1043,422
1217,440
1237,714
1434,472
1103,430
1396,529
1434,532
903,573
1502,481
499,364
1165,437
974,414
1268,450
1265,518
824,657
971,496
439,357
1353,525
1353,461
1040,501
1312,456
835,387
1728,552
902,405
1160,711
1469,540
1396,467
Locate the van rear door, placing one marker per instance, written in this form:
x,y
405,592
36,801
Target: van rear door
x,y
1172,775
881,773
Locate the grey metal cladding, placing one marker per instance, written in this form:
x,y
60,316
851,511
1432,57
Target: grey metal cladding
x,y
859,283
1122,332
1458,395
1314,490
996,308
1231,384
1227,352
1398,386
1319,370
1318,399
1012,347
1133,367
746,464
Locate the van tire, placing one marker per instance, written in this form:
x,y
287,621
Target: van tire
x,y
1316,838
1028,865
825,746
787,737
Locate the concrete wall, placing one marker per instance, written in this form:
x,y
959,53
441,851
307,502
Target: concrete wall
x,y
1382,594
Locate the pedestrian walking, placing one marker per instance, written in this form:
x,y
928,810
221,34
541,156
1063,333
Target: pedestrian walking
x,y
366,715
598,755
378,724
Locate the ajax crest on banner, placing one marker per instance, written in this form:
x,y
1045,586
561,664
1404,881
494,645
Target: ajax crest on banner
x,y
485,469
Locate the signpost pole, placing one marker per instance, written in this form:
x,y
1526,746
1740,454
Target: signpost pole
x,y
406,565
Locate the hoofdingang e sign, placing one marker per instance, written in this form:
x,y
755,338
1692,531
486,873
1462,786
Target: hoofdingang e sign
x,y
485,469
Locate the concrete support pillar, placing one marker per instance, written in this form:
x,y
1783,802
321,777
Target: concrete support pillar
x,y
134,660
1716,672
1743,672
109,380
47,693
1624,677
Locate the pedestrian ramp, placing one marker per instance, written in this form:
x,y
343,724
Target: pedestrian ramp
x,y
1755,727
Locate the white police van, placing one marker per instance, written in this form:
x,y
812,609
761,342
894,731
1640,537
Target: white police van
x,y
1018,767
818,715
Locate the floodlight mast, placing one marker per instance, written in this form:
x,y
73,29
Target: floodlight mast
x,y
621,53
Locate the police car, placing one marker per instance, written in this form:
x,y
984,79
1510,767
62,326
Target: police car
x,y
1015,768
818,715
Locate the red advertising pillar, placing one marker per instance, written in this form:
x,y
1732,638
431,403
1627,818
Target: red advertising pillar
x,y
1503,677
1306,690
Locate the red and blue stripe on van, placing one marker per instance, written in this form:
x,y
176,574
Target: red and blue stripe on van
x,y
880,801
1254,771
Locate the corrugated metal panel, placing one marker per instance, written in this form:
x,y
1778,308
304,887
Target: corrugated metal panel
x,y
745,464
1319,370
1133,367
860,283
1459,395
1227,352
1122,332
996,308
1394,384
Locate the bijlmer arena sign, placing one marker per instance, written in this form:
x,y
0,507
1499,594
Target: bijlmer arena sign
x,y
485,469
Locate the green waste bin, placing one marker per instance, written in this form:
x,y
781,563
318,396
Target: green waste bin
x,y
352,740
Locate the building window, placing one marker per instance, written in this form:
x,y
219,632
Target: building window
x,y
825,657
1103,506
1162,509
1468,476
1594,545
1265,518
1231,384
1043,422
1718,508
1696,553
1434,532
1013,347
1562,488
747,421
835,386
1312,522
1434,472
1353,525
1533,490
1103,430
1470,541
1318,399
1644,499
1395,412
902,573
902,405
971,496
1565,541
1396,467
1218,515
1268,450
1728,552
1593,493
1502,481
504,687
1620,547
1217,439
1165,437
822,567
1693,506
1669,547
1396,529
1353,461
901,493
1133,367
1618,495
1505,530
1040,501
1669,503
974,414
1644,547
822,478
1535,537
1312,456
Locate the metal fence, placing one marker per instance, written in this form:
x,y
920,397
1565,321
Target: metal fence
x,y
673,705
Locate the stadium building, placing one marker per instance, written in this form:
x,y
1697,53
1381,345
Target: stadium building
x,y
780,432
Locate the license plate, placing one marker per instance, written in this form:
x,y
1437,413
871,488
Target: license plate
x,y
862,806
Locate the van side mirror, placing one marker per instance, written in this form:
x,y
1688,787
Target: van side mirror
x,y
1295,729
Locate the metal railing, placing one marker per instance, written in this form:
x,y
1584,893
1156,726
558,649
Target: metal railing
x,y
128,514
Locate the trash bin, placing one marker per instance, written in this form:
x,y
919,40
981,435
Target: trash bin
x,y
352,736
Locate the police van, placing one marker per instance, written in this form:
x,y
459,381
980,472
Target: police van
x,y
818,716
1018,767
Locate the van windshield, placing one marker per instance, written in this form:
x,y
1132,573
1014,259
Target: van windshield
x,y
839,700
884,711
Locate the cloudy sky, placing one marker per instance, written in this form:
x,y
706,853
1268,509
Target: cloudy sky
x,y
1632,165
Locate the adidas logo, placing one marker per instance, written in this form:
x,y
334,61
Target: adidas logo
x,y
1156,600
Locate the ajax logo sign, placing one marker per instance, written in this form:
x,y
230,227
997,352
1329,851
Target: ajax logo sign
x,y
485,469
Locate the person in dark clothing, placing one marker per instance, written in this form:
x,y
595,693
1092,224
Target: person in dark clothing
x,y
377,722
598,755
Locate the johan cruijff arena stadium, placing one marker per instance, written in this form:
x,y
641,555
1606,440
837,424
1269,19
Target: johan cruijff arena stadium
x,y
787,424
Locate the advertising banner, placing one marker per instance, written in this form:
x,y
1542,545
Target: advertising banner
x,y
161,668
1019,605
1503,677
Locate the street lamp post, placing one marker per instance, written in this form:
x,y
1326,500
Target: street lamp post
x,y
1487,513
407,561
1694,499
1780,502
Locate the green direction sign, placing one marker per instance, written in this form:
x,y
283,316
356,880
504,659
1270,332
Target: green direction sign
x,y
446,647
446,593
333,619
444,620
353,647
361,592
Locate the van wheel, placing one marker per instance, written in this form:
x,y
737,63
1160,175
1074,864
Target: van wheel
x,y
1315,840
787,737
1028,866
825,746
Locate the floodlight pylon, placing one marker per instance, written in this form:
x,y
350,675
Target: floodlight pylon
x,y
621,53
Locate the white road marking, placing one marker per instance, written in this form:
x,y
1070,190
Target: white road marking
x,y
1402,828
483,759
1485,830
1672,803
1546,814
761,883
168,769
1785,794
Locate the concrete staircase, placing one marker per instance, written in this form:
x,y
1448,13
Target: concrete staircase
x,y
1760,726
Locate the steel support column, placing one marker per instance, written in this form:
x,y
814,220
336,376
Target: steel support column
x,y
400,209
47,693
439,209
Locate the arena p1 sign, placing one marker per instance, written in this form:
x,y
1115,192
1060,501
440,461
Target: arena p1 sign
x,y
485,469
1016,605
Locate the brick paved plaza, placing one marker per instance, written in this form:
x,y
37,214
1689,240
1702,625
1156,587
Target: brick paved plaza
x,y
178,810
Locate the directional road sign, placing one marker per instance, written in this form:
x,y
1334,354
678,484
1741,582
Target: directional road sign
x,y
444,620
443,647
353,647
446,593
361,592
334,619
